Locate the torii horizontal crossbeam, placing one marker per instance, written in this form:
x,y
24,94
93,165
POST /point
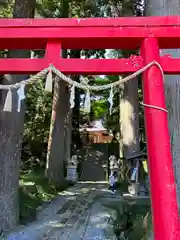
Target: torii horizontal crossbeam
x,y
117,33
70,66
96,33
85,67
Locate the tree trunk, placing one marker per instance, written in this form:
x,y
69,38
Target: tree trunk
x,y
55,167
172,84
76,140
129,117
11,129
129,106
128,110
68,136
24,8
128,101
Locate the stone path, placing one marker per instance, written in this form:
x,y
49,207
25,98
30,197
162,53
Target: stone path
x,y
76,214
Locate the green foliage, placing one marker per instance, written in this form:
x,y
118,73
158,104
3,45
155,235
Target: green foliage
x,y
6,8
34,191
49,8
37,124
99,108
78,8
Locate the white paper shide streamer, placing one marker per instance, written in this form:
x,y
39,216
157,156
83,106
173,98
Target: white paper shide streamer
x,y
8,102
48,74
49,81
72,96
21,96
110,100
87,102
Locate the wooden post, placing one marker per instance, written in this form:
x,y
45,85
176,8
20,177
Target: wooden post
x,y
53,51
162,182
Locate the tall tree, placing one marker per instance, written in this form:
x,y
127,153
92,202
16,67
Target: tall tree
x,y
11,129
129,102
172,84
76,141
55,167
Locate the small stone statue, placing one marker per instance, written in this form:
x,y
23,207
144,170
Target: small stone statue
x,y
73,161
113,162
114,166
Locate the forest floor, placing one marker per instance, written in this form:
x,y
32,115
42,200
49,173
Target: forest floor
x,y
87,211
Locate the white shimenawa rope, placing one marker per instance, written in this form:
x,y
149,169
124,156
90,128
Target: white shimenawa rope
x,y
156,107
28,81
82,85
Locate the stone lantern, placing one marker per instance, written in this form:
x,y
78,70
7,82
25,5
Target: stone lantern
x,y
72,175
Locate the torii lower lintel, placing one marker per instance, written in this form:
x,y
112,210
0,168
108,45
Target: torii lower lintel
x,y
85,66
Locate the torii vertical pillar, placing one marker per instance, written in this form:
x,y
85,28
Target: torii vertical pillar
x,y
162,182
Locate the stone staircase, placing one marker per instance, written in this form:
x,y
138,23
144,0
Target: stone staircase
x,y
95,164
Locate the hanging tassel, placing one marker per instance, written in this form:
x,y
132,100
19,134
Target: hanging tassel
x,y
49,82
110,100
8,102
72,96
21,96
87,103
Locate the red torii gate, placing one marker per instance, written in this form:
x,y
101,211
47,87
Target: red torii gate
x,y
149,34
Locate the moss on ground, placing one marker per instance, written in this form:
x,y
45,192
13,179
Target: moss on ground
x,y
34,191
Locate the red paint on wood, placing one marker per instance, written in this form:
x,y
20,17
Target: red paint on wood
x,y
70,43
170,65
92,22
72,38
162,182
53,51
121,33
81,66
71,66
88,38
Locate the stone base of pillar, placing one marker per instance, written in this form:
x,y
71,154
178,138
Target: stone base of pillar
x,y
72,175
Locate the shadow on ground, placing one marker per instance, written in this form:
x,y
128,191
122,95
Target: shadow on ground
x,y
132,218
